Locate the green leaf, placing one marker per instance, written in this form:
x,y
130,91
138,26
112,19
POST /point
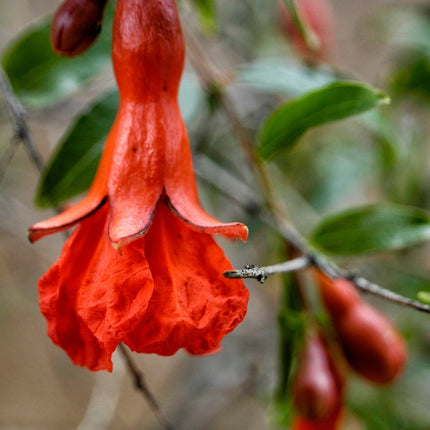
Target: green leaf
x,y
73,166
424,296
280,75
206,10
413,76
371,229
336,101
40,77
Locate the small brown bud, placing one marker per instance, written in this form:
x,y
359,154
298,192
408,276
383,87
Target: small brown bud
x,y
76,25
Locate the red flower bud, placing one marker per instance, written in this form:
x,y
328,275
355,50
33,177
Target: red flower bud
x,y
317,387
338,295
76,25
371,344
318,16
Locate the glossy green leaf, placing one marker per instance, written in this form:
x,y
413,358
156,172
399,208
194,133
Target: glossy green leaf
x,y
334,102
280,75
74,164
40,77
372,229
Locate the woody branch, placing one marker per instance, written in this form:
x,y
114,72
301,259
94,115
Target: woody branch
x,y
277,215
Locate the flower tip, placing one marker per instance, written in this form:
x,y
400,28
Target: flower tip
x,y
33,235
244,233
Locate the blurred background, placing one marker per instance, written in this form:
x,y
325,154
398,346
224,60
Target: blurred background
x,y
357,161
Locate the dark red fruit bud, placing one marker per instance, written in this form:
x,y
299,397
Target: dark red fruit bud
x,y
371,344
338,295
317,386
76,25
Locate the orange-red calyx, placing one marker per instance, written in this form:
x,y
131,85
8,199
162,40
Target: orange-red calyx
x,y
164,290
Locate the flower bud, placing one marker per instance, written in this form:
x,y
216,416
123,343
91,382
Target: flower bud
x,y
317,386
76,25
338,295
371,344
318,16
301,423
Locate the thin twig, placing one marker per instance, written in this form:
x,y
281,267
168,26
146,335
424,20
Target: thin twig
x,y
140,384
17,114
289,233
262,273
280,218
7,156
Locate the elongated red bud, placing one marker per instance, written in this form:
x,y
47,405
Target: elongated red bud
x,y
371,344
317,387
76,25
338,295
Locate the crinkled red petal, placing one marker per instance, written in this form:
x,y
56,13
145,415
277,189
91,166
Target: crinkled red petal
x,y
58,292
193,306
116,290
93,295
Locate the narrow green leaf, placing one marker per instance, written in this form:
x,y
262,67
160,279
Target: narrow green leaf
x,y
40,77
336,101
73,166
371,229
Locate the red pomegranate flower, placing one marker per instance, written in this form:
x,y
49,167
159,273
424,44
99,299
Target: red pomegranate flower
x,y
160,286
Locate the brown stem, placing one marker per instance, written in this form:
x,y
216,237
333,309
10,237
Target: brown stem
x,y
278,213
7,156
140,384
17,114
250,204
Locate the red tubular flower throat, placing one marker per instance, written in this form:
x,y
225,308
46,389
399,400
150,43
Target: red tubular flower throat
x,y
165,289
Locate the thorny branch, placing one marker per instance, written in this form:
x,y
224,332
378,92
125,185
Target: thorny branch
x,y
22,134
